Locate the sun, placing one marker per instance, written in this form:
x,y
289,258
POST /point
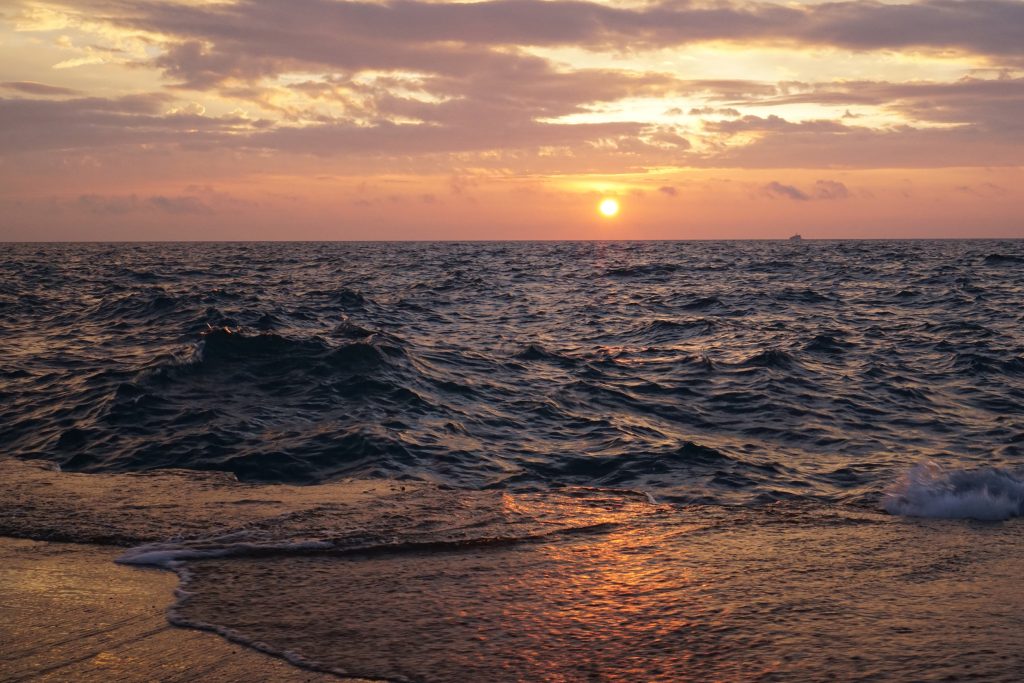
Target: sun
x,y
608,207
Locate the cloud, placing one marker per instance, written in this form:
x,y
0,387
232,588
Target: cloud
x,y
39,89
194,66
35,124
777,190
830,189
209,45
822,190
495,132
348,34
406,79
862,147
990,102
986,189
119,205
185,204
516,88
773,124
96,204
713,111
412,139
668,190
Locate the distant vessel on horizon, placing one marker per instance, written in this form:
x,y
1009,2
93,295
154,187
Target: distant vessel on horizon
x,y
795,238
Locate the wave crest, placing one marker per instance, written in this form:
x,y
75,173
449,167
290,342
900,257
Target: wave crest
x,y
929,490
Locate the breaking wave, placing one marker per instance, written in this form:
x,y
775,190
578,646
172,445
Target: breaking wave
x,y
930,490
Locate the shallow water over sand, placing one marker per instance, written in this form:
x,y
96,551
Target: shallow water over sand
x,y
777,598
386,580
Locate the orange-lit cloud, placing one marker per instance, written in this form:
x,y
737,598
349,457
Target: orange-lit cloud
x,y
340,118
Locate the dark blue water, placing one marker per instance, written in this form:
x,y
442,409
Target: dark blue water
x,y
539,461
712,371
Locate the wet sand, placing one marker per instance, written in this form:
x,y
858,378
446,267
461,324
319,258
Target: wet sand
x,y
69,613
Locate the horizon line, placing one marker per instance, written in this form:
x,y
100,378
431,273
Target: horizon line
x,y
503,241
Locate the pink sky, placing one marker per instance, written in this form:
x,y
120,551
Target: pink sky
x,y
510,119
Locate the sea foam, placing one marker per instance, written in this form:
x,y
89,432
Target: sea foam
x,y
929,490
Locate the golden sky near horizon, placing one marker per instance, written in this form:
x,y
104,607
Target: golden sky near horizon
x,y
325,119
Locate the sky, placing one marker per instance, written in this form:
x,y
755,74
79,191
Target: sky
x,y
510,119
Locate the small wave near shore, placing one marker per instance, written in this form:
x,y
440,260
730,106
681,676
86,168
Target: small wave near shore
x,y
930,490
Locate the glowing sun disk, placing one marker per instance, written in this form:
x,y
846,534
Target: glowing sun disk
x,y
608,207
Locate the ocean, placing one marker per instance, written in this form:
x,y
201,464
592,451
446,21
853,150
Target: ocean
x,y
539,461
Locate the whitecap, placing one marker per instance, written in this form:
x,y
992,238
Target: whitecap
x,y
929,490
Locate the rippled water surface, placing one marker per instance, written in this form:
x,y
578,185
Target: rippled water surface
x,y
702,371
540,461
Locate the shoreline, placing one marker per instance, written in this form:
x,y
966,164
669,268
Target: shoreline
x,y
68,612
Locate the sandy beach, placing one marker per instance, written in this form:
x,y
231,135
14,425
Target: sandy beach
x,y
69,613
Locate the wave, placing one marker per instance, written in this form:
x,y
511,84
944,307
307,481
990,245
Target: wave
x,y
1014,365
263,406
369,451
662,331
244,544
627,468
1003,259
702,303
930,490
803,296
770,358
644,270
832,344
226,345
535,351
959,328
145,305
343,296
269,360
423,519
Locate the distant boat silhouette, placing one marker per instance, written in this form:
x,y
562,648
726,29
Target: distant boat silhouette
x,y
796,238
